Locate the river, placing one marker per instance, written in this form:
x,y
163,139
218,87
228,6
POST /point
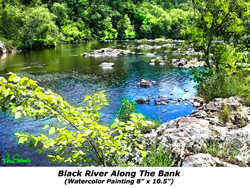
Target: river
x,y
72,76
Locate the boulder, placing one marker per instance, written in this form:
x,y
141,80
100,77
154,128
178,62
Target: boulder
x,y
105,64
152,60
144,83
198,114
218,103
163,101
3,49
142,101
108,52
174,61
199,101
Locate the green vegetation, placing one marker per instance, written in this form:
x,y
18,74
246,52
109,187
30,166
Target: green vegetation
x,y
37,23
220,30
127,108
158,158
77,133
222,82
224,114
216,83
216,20
226,152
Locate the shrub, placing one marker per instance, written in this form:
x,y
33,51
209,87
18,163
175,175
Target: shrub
x,y
127,108
216,83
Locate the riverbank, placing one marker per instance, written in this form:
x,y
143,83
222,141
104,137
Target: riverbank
x,y
216,134
5,48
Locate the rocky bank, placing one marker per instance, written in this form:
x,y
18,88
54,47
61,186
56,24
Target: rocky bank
x,y
223,124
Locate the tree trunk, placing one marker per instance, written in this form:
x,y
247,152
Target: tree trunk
x,y
207,58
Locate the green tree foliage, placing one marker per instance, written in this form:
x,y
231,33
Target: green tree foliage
x,y
11,21
85,19
28,29
61,12
215,20
180,20
155,21
109,32
22,97
125,29
75,31
39,28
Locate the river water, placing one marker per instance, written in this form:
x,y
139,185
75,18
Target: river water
x,y
72,76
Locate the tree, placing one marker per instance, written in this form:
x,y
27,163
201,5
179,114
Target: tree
x,y
75,31
215,20
22,97
11,22
61,12
39,28
125,29
109,32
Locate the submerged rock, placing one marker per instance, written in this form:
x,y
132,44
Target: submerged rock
x,y
163,101
142,101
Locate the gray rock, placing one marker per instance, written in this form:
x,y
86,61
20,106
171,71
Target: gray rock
x,y
3,49
142,101
204,160
145,83
105,64
198,114
109,52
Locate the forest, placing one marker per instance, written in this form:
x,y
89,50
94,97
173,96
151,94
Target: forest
x,y
36,23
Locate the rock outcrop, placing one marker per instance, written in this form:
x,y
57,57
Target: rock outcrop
x,y
3,49
187,64
108,52
205,160
188,137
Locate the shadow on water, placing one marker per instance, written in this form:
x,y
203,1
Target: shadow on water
x,y
72,76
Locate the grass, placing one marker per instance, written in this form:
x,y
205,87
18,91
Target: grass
x,y
158,157
224,115
226,153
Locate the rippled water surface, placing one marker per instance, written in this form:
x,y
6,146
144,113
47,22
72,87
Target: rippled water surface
x,y
71,75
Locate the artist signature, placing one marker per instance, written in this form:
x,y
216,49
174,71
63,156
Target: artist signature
x,y
15,159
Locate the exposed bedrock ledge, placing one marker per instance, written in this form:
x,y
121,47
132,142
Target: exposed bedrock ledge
x,y
187,136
